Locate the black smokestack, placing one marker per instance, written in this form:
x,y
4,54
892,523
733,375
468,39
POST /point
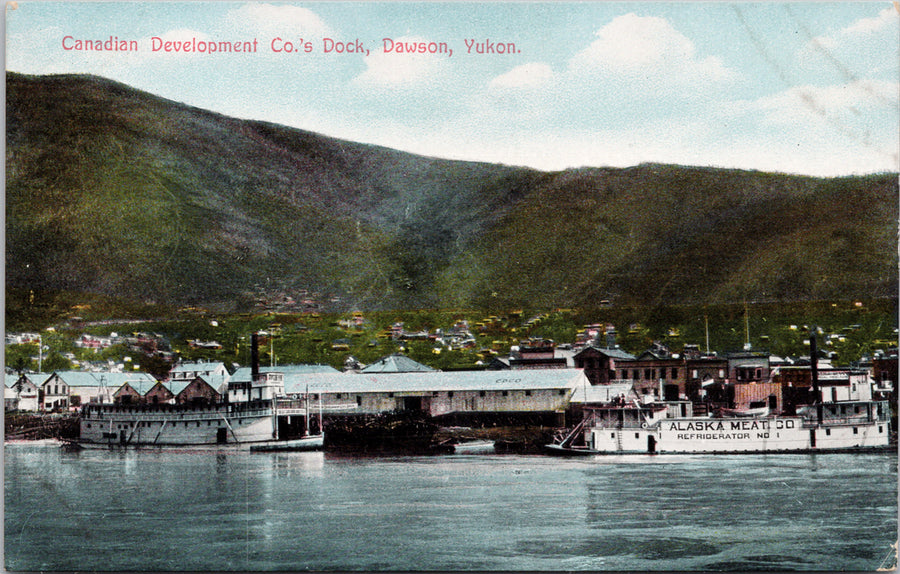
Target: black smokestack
x,y
814,364
254,357
814,371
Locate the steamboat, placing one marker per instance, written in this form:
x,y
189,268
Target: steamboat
x,y
257,415
850,422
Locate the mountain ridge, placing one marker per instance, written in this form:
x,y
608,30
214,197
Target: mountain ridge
x,y
119,192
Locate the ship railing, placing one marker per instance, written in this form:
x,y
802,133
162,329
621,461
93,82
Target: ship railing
x,y
186,415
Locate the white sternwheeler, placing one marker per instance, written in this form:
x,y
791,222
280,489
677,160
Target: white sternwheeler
x,y
851,421
262,419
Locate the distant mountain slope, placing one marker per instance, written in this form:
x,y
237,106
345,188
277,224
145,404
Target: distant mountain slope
x,y
115,191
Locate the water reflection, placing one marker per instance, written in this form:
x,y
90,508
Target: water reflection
x,y
308,511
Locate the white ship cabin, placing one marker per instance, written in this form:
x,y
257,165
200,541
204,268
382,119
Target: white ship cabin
x,y
264,387
845,385
618,405
636,414
241,387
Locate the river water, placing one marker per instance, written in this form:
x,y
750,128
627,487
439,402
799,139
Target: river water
x,y
230,510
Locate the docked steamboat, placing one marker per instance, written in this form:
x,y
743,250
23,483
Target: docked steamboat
x,y
258,416
630,424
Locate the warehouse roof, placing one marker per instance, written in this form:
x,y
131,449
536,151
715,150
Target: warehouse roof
x,y
524,379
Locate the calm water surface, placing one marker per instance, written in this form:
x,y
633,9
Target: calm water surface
x,y
229,510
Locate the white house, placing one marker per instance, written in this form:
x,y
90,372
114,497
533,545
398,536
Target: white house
x,y
21,393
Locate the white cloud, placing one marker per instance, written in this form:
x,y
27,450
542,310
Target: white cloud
x,y
829,103
392,69
885,20
531,75
279,20
633,45
867,46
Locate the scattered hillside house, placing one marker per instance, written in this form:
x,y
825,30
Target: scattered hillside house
x,y
198,344
21,391
91,342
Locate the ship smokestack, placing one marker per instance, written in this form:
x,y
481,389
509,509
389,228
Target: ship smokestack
x,y
254,357
814,372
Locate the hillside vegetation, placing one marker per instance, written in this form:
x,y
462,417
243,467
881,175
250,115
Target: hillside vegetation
x,y
119,193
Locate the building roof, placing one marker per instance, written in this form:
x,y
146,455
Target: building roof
x,y
611,353
112,380
198,366
601,393
396,363
243,374
176,387
141,386
524,379
36,379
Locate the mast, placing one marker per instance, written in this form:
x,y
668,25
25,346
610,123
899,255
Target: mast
x,y
747,345
706,323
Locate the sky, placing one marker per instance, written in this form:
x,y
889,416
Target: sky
x,y
809,87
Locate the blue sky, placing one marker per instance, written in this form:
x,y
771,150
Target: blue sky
x,y
808,87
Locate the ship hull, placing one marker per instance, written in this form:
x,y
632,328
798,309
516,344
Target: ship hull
x,y
743,435
168,425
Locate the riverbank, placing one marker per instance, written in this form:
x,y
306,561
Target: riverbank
x,y
26,426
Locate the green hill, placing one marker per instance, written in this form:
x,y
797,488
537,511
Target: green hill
x,y
117,192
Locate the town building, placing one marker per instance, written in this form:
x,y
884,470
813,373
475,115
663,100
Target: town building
x,y
21,392
602,366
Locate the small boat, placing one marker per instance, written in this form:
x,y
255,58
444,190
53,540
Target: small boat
x,y
756,409
474,447
306,443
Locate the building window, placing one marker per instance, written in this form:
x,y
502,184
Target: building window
x,y
358,401
449,394
339,396
880,429
827,432
637,435
505,393
648,374
674,373
562,392
612,435
527,393
481,393
855,430
390,395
